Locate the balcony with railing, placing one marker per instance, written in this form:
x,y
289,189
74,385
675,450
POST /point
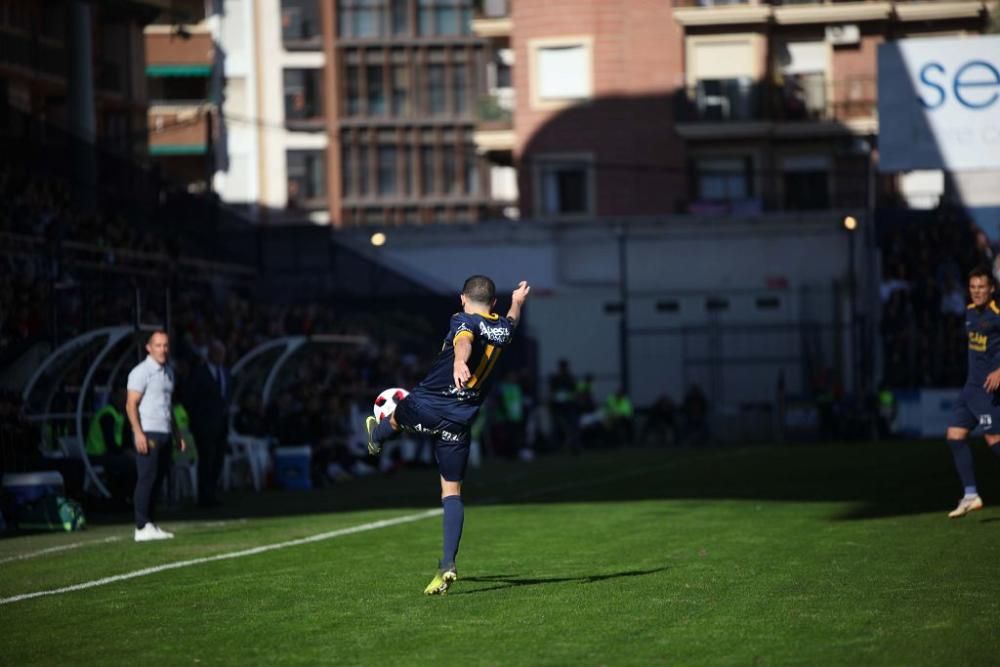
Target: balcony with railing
x,y
495,121
801,104
492,19
792,12
177,130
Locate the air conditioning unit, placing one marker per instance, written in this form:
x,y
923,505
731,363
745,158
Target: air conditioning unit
x,y
848,33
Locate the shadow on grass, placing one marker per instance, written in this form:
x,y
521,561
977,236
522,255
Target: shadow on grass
x,y
503,581
869,480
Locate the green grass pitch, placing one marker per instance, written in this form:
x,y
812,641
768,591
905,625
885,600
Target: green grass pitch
x,y
810,554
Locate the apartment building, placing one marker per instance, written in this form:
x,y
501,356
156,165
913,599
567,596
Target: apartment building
x,y
183,83
353,112
592,128
778,106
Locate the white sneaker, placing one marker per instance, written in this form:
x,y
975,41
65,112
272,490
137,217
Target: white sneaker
x,y
164,535
966,505
150,532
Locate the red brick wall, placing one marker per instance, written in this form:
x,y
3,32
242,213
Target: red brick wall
x,y
627,126
854,76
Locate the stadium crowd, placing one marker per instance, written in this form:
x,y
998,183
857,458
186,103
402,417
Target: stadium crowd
x,y
924,295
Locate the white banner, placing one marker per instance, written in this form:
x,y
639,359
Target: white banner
x,y
939,103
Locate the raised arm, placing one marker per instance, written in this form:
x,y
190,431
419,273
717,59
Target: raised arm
x,y
518,297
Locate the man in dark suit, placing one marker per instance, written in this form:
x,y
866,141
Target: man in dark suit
x,y
208,404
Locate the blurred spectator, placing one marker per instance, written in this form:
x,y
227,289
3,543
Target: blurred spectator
x,y
207,397
660,426
695,412
564,407
618,418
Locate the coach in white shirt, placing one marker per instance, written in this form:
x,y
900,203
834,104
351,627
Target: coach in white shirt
x,y
150,412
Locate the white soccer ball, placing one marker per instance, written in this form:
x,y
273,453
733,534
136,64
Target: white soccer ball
x,y
385,403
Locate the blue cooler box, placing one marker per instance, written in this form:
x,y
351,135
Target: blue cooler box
x,y
291,467
22,488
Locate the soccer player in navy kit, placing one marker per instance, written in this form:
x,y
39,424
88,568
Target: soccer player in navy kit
x,y
979,404
446,402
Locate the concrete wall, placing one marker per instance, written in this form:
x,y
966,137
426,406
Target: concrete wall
x,y
776,276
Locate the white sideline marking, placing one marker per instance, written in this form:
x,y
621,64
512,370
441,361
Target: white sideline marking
x,y
313,538
116,538
63,547
375,525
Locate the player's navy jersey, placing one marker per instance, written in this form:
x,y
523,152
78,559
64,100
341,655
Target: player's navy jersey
x,y
489,334
983,328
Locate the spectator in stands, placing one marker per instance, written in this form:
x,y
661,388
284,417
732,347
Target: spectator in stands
x,y
619,414
661,424
695,411
563,404
207,400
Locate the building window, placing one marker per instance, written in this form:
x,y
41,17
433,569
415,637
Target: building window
x,y
347,170
428,170
801,71
361,19
352,103
460,89
435,89
303,94
806,182
565,187
471,171
723,179
562,72
300,22
387,170
444,17
361,176
306,178
376,90
405,158
452,185
400,90
400,17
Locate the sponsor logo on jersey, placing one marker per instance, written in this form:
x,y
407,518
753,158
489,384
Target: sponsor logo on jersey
x,y
977,341
497,334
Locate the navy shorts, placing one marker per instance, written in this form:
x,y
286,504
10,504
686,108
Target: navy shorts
x,y
451,439
977,407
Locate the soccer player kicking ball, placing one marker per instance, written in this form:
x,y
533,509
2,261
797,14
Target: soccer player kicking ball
x,y
445,403
979,404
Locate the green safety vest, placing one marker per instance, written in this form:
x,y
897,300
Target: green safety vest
x,y
513,402
183,421
95,434
619,407
181,417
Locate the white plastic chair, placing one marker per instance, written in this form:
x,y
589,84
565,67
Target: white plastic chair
x,y
184,473
249,451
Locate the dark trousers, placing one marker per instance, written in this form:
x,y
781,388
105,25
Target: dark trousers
x,y
212,447
150,469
